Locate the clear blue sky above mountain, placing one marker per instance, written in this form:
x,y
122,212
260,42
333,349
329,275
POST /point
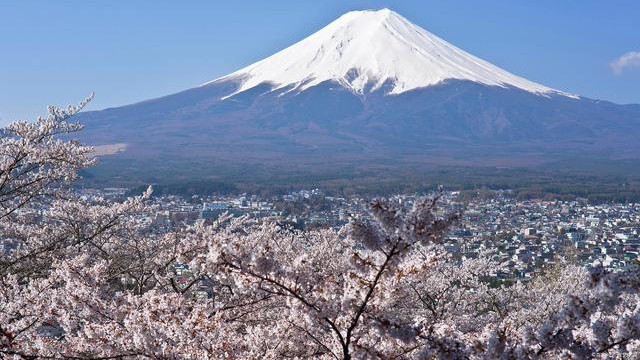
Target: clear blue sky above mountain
x,y
127,51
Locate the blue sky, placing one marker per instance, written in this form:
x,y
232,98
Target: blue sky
x,y
56,52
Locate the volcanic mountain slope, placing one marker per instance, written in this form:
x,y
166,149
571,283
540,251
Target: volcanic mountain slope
x,y
364,50
369,86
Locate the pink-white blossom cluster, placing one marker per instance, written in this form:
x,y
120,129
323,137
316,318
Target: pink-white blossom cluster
x,y
89,279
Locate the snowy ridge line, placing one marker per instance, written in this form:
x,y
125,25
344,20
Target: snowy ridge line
x,y
367,47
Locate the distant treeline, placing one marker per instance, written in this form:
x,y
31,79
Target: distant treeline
x,y
525,184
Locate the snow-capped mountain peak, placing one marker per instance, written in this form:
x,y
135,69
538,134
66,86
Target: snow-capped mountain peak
x,y
362,50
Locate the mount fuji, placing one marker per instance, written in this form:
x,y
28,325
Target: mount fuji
x,y
364,50
369,87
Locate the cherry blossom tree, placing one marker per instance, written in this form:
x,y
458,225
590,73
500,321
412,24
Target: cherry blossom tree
x,y
94,279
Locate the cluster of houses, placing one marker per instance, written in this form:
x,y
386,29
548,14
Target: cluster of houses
x,y
527,236
531,235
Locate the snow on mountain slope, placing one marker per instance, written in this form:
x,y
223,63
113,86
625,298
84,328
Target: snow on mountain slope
x,y
362,50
